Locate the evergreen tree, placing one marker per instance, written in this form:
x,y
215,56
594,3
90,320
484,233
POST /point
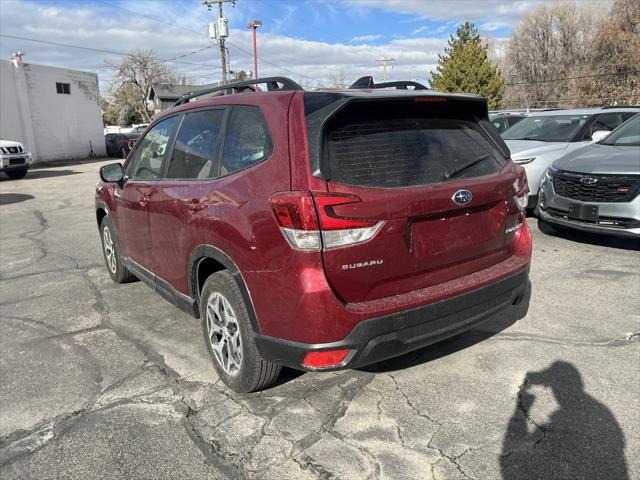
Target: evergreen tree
x,y
465,68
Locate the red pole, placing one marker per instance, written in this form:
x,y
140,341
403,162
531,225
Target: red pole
x,y
255,53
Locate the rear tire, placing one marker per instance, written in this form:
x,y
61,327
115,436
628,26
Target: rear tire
x,y
16,174
112,253
229,336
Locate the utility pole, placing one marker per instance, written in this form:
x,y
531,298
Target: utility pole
x,y
384,61
221,30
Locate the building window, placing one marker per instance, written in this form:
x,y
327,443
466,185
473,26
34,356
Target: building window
x,y
64,88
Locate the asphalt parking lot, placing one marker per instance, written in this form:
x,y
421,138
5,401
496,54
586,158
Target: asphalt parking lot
x,y
100,380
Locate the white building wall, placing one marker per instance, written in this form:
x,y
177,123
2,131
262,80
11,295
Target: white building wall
x,y
52,126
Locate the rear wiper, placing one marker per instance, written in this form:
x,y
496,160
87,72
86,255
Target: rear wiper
x,y
453,173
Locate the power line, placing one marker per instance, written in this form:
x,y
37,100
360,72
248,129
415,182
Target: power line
x,y
110,52
228,42
572,78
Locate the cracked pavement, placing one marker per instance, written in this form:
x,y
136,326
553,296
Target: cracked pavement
x,y
99,380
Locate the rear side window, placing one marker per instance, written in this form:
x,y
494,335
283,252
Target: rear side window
x,y
247,140
387,148
195,151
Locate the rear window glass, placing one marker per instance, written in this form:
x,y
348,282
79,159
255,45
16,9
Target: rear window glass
x,y
377,147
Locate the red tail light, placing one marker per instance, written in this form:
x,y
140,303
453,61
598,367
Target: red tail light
x,y
325,359
295,210
308,220
329,220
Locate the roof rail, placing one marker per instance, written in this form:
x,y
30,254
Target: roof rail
x,y
244,86
368,83
620,106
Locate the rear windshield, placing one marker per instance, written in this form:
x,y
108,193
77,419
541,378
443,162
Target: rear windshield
x,y
370,145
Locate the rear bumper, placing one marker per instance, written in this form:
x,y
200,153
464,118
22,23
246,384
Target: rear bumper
x,y
392,335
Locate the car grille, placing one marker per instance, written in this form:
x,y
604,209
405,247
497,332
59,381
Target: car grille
x,y
596,188
16,161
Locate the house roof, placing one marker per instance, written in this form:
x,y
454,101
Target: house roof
x,y
170,92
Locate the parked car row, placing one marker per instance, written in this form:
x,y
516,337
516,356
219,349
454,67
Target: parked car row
x,y
596,188
120,144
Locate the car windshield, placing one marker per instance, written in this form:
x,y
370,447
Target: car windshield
x,y
547,128
627,135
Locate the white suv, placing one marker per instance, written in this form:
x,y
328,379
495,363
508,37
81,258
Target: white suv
x,y
14,160
543,137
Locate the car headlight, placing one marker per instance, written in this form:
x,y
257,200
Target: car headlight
x,y
524,161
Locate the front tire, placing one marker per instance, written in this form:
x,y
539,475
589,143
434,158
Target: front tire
x,y
16,174
229,336
112,253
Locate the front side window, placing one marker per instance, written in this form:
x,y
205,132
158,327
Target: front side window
x,y
628,135
247,140
147,159
547,128
195,151
607,122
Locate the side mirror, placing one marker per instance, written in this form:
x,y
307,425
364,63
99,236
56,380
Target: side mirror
x,y
599,135
112,173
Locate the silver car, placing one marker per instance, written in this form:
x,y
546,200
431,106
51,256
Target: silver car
x,y
596,188
543,137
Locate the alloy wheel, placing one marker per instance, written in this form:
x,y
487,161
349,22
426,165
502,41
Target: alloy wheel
x,y
109,249
223,334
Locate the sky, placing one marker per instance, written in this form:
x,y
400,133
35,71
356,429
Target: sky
x,y
307,40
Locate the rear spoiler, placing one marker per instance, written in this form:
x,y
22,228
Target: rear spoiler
x,y
321,107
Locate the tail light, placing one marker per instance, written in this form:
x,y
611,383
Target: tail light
x,y
521,197
309,222
521,188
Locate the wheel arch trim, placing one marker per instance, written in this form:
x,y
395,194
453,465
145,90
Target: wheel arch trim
x,y
204,251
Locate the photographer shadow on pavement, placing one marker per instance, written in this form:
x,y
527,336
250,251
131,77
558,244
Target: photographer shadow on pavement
x,y
582,439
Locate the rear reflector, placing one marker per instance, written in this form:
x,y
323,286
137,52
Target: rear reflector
x,y
325,359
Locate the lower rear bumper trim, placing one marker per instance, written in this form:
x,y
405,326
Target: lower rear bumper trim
x,y
392,335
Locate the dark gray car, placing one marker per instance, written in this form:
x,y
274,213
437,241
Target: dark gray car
x,y
597,188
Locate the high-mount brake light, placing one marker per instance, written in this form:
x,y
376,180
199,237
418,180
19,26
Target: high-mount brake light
x,y
430,99
309,222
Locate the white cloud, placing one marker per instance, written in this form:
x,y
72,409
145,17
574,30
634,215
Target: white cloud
x,y
419,30
365,38
495,14
101,27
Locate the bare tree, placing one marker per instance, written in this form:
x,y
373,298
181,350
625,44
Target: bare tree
x,y
338,79
615,54
551,43
135,74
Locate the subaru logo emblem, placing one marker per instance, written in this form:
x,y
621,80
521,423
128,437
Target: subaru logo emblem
x,y
588,180
462,197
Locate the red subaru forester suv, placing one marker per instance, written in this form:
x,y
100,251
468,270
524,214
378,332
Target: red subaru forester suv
x,y
320,229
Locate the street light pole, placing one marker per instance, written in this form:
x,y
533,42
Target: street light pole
x,y
254,24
